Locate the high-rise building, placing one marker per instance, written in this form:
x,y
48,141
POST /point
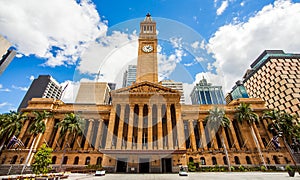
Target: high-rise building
x,y
6,54
275,77
238,91
129,76
42,87
176,86
93,93
206,93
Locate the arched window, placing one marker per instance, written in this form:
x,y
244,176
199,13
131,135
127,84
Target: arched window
x,y
202,160
191,159
248,160
53,159
87,160
214,160
225,160
268,161
99,160
14,159
236,160
76,160
286,160
65,161
276,159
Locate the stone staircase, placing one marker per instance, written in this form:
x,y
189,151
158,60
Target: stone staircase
x,y
13,169
297,157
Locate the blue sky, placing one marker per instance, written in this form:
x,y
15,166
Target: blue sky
x,y
74,40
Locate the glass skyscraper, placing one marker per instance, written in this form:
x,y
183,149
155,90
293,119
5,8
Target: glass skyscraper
x,y
205,93
129,76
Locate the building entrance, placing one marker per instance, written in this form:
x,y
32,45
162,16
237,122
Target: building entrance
x,y
166,164
122,165
144,165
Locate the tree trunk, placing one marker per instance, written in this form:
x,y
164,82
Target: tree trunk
x,y
257,145
225,149
29,154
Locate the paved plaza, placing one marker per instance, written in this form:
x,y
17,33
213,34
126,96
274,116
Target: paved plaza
x,y
191,176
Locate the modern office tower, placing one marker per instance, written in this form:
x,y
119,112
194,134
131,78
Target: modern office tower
x,y
93,93
6,54
176,86
42,87
238,91
129,76
206,93
275,77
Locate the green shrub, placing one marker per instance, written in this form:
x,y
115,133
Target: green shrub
x,y
42,159
242,168
191,167
232,168
263,168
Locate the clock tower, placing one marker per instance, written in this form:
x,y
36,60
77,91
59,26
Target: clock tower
x,y
147,52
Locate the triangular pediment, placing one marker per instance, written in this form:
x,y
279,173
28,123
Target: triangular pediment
x,y
145,87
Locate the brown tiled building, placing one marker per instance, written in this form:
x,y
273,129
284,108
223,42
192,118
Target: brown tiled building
x,y
146,129
275,77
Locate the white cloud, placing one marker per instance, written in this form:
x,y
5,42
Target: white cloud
x,y
70,91
274,27
110,55
4,104
56,30
20,88
222,8
31,78
4,89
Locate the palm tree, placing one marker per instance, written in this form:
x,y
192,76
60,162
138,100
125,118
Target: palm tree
x,y
36,128
285,125
10,125
245,113
70,126
218,121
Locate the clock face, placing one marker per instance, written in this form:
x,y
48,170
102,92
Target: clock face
x,y
147,48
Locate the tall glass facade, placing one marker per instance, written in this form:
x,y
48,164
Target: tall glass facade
x,y
205,93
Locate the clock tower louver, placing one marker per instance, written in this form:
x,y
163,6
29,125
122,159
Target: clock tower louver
x,y
147,52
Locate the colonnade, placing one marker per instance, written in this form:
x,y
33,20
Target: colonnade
x,y
199,136
145,127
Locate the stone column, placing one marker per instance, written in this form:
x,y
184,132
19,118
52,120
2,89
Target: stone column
x,y
120,129
110,131
258,136
234,137
55,143
159,128
202,134
49,129
25,126
265,123
99,134
169,127
223,134
140,128
192,134
77,144
150,125
130,127
88,134
180,128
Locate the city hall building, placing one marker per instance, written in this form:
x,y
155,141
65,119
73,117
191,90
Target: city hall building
x,y
144,128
